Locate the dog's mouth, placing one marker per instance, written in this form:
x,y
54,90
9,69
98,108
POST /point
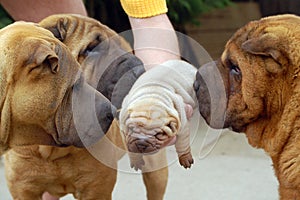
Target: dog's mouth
x,y
84,116
211,87
238,129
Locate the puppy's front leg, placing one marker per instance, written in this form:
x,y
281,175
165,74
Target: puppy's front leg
x,y
183,148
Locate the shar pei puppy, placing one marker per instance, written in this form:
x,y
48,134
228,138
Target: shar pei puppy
x,y
157,110
259,75
40,84
91,172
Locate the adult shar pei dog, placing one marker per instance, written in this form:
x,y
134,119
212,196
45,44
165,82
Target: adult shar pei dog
x,y
109,66
260,69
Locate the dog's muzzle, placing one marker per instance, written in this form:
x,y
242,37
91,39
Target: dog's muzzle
x,y
141,140
212,94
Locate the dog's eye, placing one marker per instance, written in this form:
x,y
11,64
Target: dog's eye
x,y
235,69
91,46
232,66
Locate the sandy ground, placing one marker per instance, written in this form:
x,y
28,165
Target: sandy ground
x,y
232,170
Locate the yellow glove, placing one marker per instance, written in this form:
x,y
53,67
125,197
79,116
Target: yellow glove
x,y
144,8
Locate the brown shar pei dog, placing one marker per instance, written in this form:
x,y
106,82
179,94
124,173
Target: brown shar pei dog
x,y
108,66
39,79
260,69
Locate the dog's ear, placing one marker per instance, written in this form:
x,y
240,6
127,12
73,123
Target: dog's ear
x,y
45,55
59,30
5,119
271,45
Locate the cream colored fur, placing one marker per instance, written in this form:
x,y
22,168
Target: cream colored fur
x,y
169,88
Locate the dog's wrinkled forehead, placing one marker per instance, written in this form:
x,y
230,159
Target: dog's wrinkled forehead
x,y
242,35
150,111
151,114
251,30
269,36
64,26
257,28
81,34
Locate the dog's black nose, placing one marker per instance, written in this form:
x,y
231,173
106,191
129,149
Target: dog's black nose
x,y
113,113
105,113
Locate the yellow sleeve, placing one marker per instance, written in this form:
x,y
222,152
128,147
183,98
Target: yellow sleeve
x,y
144,8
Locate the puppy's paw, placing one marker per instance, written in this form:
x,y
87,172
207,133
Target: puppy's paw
x,y
136,162
186,160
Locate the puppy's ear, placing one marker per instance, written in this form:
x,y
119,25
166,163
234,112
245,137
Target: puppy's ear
x,y
46,55
268,44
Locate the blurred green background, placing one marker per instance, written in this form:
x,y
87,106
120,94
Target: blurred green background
x,y
5,19
180,12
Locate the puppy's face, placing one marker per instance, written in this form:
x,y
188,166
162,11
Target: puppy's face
x,y
105,57
149,126
257,69
39,77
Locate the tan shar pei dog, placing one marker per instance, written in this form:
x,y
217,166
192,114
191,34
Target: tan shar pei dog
x,y
259,71
108,66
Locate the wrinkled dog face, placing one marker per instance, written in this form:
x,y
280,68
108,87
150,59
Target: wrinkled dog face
x,y
149,126
257,69
38,77
105,57
80,34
